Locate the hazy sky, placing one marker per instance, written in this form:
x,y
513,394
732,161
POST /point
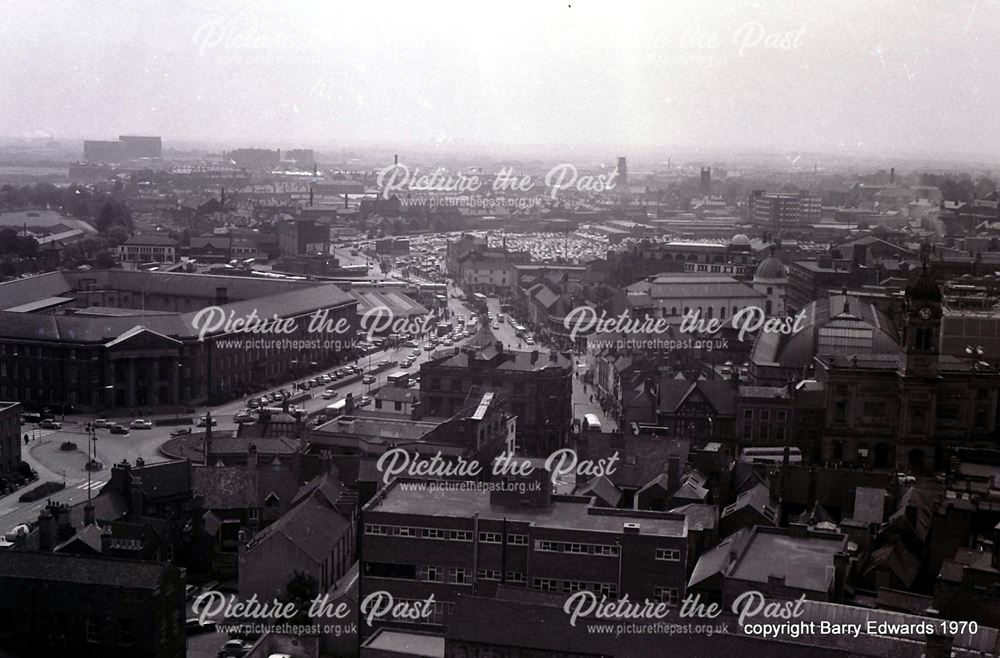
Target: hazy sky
x,y
852,76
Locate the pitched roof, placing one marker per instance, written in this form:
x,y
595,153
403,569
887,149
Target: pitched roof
x,y
68,568
313,525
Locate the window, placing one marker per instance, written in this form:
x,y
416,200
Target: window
x,y
432,533
431,573
459,576
490,537
371,529
489,574
668,595
668,554
840,412
517,540
460,535
765,416
546,546
517,577
92,630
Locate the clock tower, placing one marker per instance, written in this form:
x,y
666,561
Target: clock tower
x,y
922,326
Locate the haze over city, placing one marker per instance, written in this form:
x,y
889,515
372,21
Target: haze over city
x,y
523,76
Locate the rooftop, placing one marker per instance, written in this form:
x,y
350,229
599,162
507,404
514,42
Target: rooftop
x,y
569,513
803,559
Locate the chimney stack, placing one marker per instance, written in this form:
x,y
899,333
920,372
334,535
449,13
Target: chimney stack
x,y
534,357
252,457
395,160
840,564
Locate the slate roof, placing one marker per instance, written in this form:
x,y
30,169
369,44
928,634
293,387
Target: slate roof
x,y
67,568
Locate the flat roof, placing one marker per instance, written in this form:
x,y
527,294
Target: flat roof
x,y
39,305
803,559
410,644
562,512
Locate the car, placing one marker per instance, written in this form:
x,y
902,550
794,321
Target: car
x,y
140,424
368,379
410,343
496,325
326,379
447,342
428,347
329,394
253,403
102,423
242,417
339,373
118,429
202,422
365,400
415,353
233,649
49,425
180,431
529,340
193,626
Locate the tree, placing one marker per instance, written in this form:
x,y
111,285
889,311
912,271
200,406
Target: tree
x,y
301,589
104,260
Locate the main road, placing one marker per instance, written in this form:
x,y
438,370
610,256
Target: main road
x,y
43,451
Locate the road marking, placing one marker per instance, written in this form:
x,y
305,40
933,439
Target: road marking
x,y
92,485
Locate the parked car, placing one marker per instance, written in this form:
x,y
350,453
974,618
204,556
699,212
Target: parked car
x,y
49,425
410,343
202,422
118,429
140,424
242,417
253,403
233,649
428,347
193,626
102,423
180,431
368,379
365,400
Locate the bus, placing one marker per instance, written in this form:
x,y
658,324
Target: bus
x,y
770,455
401,378
591,422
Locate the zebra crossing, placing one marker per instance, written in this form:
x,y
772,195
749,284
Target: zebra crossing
x,y
94,485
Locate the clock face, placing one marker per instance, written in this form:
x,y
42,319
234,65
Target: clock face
x,y
925,313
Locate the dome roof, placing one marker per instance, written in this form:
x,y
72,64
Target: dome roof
x,y
770,268
740,240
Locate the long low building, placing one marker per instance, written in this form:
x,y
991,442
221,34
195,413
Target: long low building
x,y
117,338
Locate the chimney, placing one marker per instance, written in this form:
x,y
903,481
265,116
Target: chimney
x,y
136,497
64,529
499,347
46,530
840,563
892,176
88,514
631,528
673,474
140,462
553,357
911,515
395,160
252,456
534,357
349,403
